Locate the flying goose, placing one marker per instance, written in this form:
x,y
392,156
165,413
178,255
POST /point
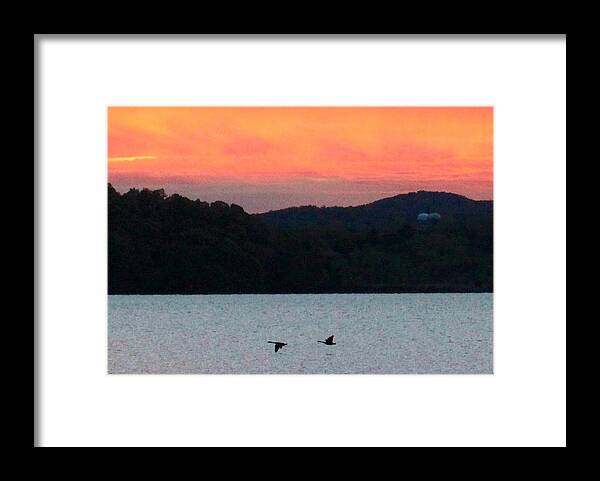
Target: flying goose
x,y
278,345
328,341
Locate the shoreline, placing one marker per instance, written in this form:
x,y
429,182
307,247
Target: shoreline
x,y
293,293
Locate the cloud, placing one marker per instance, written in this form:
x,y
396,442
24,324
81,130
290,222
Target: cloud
x,y
246,147
310,153
132,158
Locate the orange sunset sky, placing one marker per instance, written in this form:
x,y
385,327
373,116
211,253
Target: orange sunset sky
x,y
265,158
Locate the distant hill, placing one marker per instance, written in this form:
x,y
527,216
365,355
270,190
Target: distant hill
x,y
387,214
159,244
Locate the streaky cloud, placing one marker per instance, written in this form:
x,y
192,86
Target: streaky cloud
x,y
132,158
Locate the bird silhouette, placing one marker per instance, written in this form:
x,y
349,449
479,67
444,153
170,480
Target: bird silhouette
x,y
328,341
278,345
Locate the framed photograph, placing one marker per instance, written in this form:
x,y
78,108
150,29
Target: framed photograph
x,y
241,238
237,231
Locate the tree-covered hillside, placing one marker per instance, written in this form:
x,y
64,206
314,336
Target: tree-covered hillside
x,y
162,244
385,214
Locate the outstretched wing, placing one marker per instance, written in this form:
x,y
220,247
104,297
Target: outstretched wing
x,y
277,347
329,339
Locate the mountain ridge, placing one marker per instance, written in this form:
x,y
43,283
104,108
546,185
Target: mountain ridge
x,y
384,199
388,212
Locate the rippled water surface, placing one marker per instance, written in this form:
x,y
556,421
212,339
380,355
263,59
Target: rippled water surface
x,y
375,333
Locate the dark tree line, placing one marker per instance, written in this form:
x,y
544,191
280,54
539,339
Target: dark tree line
x,y
160,244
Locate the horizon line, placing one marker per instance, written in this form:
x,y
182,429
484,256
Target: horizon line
x,y
304,205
